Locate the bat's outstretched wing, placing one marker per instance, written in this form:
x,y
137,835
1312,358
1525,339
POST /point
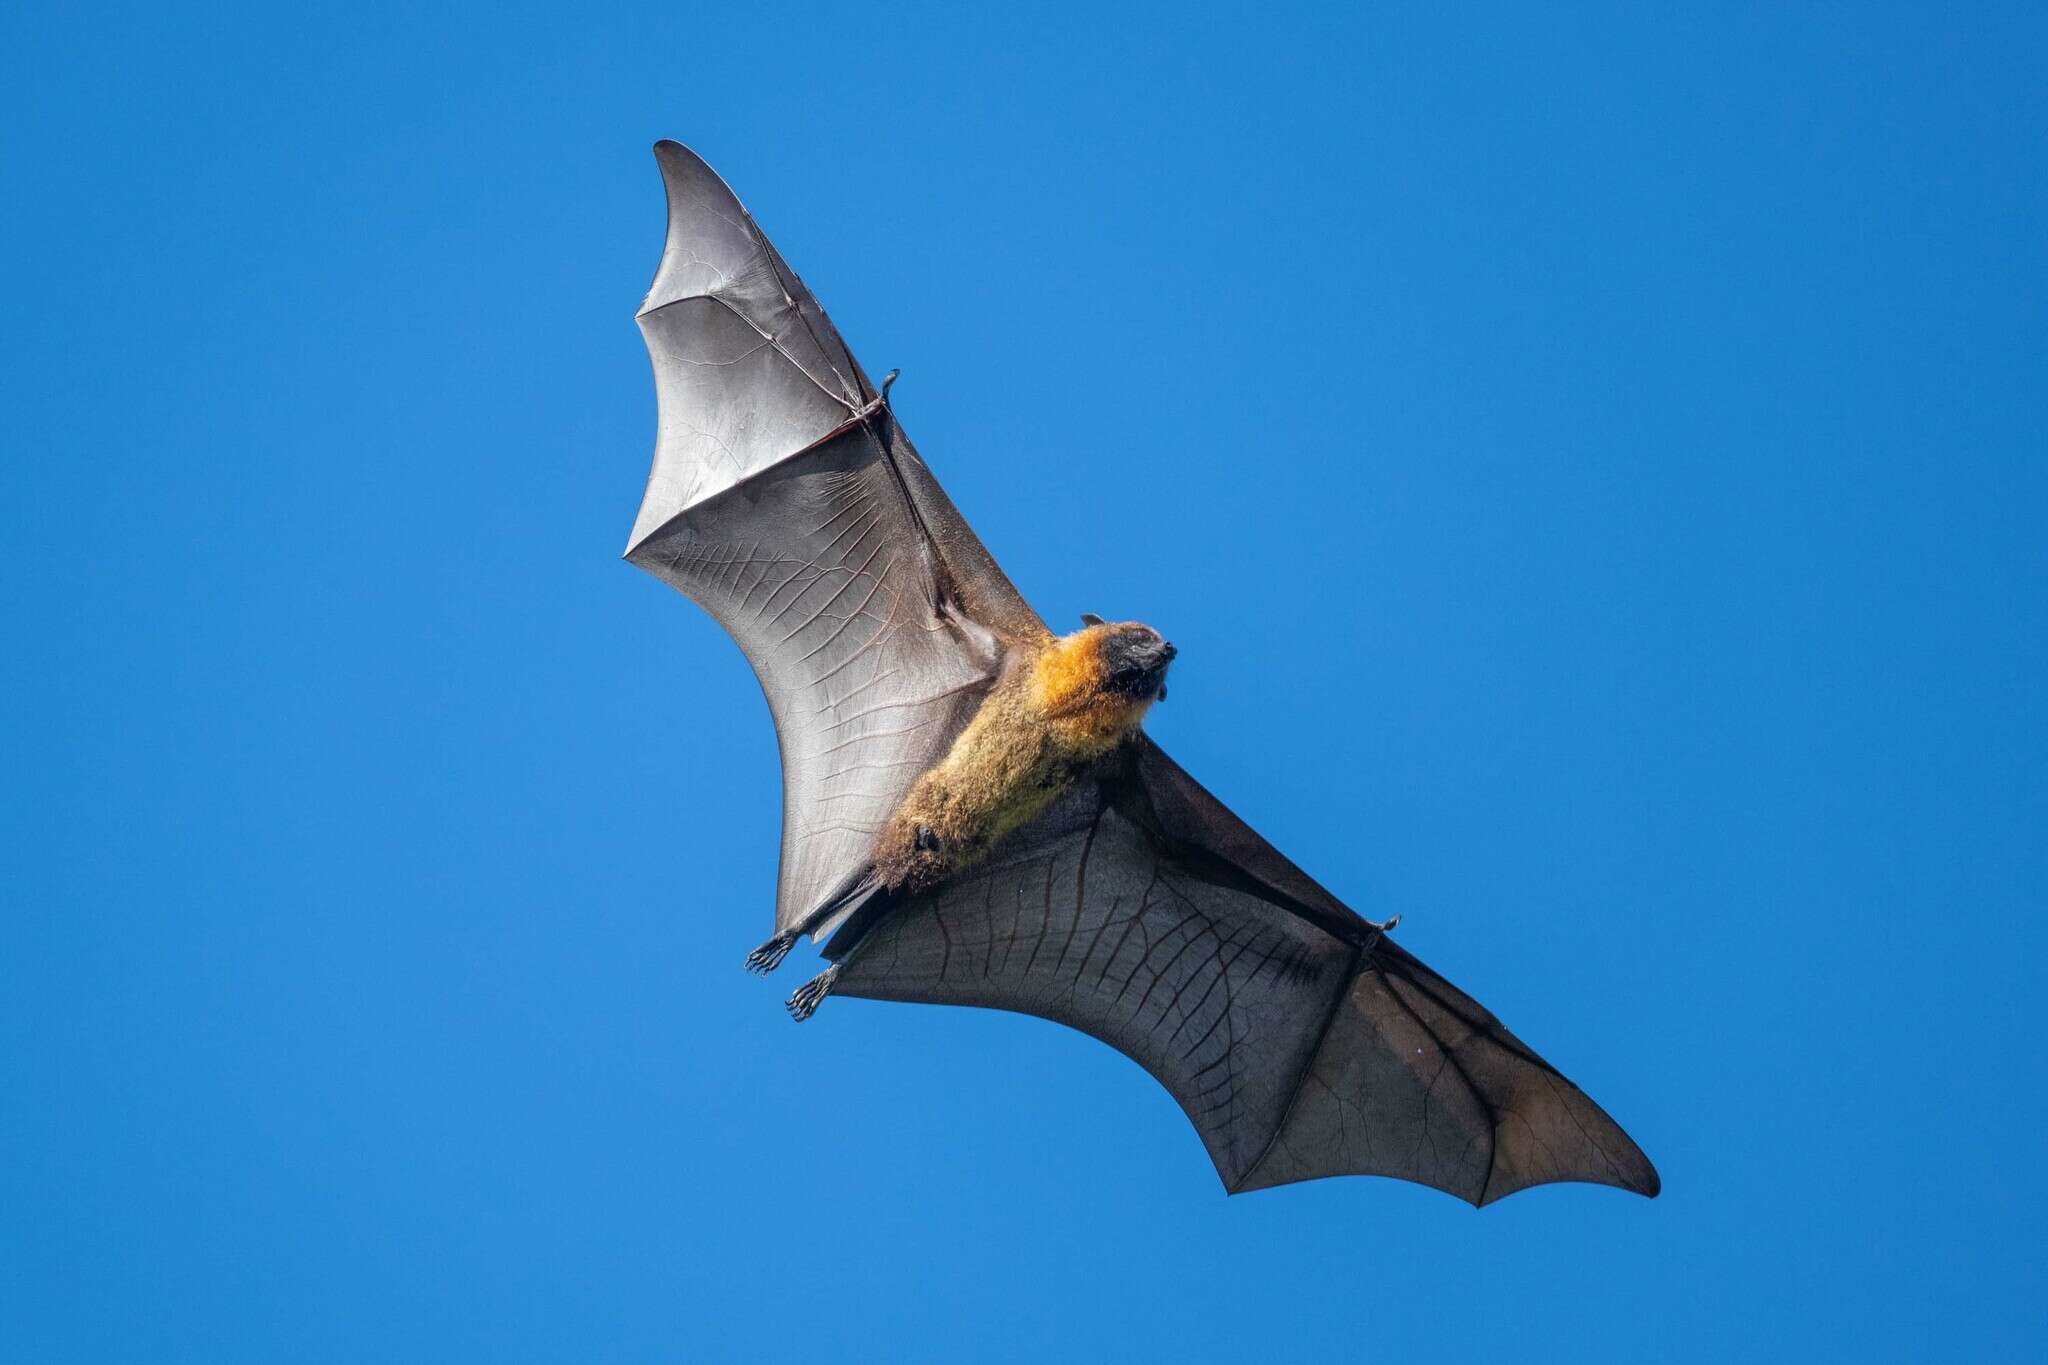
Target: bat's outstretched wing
x,y
1299,1040
785,500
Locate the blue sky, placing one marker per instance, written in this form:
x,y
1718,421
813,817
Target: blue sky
x,y
1592,463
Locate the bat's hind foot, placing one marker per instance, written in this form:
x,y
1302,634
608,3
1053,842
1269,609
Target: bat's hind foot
x,y
769,955
1385,926
811,994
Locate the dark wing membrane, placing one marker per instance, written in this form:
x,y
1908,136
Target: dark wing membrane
x,y
1219,994
1298,1040
786,501
1415,1079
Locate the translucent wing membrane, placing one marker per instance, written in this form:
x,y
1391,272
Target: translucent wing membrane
x,y
747,368
814,567
786,501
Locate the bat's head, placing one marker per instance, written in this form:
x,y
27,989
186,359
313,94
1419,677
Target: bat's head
x,y
1134,658
1108,673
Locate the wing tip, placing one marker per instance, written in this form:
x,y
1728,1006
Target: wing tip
x,y
1648,1185
684,173
1632,1173
671,155
687,181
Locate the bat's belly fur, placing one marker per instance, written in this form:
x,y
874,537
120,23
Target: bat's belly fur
x,y
1047,720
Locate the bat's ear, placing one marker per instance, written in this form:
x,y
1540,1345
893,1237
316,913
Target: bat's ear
x,y
1089,618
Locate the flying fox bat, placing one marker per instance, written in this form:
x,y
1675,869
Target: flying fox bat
x,y
972,814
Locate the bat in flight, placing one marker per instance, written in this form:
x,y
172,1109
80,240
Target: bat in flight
x,y
972,813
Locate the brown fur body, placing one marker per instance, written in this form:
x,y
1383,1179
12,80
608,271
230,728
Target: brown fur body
x,y
1054,712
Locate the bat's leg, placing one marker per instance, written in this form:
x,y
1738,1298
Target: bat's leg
x,y
1385,926
805,1002
855,888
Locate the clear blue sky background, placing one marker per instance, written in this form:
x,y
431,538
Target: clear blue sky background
x,y
1593,466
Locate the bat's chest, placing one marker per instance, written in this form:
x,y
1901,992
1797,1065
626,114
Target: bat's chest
x,y
998,778
1004,782
1027,746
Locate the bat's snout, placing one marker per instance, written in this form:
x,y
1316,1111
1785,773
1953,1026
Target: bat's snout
x,y
1155,674
1136,657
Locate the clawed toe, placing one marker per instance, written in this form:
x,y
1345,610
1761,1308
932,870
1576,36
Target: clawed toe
x,y
769,955
804,1003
